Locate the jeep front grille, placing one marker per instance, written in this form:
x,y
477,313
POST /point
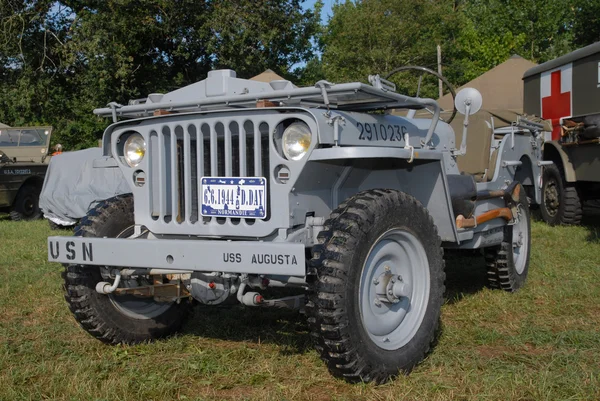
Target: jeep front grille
x,y
180,154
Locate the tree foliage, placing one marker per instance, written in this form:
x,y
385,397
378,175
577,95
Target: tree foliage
x,y
586,22
375,36
61,59
538,30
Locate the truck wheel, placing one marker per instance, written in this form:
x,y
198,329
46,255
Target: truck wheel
x,y
560,201
508,263
26,205
375,300
116,319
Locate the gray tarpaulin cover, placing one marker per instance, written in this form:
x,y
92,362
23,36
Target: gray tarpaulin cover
x,y
72,185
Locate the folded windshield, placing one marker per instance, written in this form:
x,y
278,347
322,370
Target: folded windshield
x,y
24,136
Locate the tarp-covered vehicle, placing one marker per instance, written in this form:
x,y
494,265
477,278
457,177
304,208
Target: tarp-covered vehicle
x,y
73,186
23,163
237,186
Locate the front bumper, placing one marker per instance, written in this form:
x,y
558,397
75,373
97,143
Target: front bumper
x,y
194,255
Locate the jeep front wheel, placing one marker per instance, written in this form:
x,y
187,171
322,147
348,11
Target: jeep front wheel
x,y
111,318
376,297
26,205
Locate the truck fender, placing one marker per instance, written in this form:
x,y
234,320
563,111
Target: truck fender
x,y
554,152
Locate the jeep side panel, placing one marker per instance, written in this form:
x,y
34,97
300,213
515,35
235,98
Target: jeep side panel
x,y
14,176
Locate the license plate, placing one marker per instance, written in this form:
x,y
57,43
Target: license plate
x,y
244,197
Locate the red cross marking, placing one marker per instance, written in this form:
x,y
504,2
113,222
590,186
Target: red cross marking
x,y
556,105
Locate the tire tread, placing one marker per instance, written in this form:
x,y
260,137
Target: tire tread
x,y
328,320
79,285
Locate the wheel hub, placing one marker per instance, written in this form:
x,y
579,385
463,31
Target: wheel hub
x,y
391,288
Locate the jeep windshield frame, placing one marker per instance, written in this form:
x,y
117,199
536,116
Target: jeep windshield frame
x,y
24,137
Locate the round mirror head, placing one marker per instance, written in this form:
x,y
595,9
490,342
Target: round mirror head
x,y
468,96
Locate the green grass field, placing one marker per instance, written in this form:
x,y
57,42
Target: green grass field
x,y
541,343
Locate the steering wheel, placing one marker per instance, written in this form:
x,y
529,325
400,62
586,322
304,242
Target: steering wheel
x,y
424,70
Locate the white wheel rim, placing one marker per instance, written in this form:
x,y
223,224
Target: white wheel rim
x,y
396,254
520,240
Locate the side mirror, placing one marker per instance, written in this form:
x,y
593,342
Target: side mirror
x,y
468,101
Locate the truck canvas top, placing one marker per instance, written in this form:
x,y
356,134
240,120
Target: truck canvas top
x,y
566,91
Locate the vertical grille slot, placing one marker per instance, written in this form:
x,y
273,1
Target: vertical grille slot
x,y
221,150
227,151
192,174
246,128
214,154
182,174
165,175
257,149
174,175
199,168
264,152
234,154
154,186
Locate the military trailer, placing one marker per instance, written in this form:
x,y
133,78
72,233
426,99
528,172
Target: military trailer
x,y
238,186
23,164
566,91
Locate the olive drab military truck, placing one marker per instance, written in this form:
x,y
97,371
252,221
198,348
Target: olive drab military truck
x,y
566,91
23,163
238,186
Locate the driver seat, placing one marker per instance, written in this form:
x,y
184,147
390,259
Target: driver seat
x,y
480,159
477,161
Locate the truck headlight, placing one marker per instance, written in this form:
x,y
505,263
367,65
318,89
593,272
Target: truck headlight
x,y
134,149
296,141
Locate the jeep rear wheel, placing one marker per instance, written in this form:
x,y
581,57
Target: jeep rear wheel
x,y
26,205
508,263
111,318
375,300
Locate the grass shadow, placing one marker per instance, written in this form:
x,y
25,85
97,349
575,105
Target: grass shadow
x,y
593,231
465,274
591,221
286,328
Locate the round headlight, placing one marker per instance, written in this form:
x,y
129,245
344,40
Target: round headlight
x,y
134,149
296,141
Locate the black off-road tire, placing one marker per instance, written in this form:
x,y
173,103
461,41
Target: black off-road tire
x,y
502,272
97,313
569,210
26,205
333,309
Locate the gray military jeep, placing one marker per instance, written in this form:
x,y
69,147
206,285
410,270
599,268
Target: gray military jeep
x,y
237,186
23,164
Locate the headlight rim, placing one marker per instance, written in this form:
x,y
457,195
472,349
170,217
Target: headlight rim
x,y
130,138
286,132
